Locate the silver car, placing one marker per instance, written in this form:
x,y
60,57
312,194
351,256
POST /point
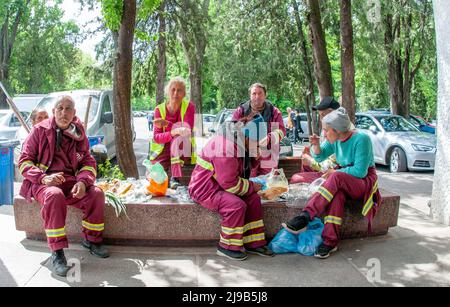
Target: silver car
x,y
398,143
10,124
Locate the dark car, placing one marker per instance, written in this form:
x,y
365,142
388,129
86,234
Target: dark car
x,y
421,124
286,149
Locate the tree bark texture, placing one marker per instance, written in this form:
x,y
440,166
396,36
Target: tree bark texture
x,y
322,66
122,91
310,99
347,59
162,58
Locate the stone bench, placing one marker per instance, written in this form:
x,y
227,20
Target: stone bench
x,y
165,222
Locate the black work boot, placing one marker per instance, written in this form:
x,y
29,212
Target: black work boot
x,y
261,251
324,251
59,263
233,255
297,223
96,249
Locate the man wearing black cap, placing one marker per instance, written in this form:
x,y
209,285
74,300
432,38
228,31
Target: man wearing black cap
x,y
326,106
311,170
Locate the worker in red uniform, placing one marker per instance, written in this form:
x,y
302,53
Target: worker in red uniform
x,y
59,171
173,143
220,182
270,145
356,178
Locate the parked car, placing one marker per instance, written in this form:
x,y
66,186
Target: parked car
x,y
100,121
286,149
208,121
27,102
422,124
398,143
10,124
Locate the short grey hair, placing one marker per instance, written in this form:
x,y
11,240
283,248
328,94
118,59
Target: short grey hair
x,y
35,113
171,82
338,120
62,99
259,85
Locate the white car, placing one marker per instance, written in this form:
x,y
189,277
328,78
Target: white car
x,y
10,124
100,121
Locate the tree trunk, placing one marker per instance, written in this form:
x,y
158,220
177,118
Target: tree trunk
x,y
394,71
310,99
122,91
162,59
322,66
7,39
193,26
347,59
440,203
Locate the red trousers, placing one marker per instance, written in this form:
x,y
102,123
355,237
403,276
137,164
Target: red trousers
x,y
165,158
242,221
329,201
54,201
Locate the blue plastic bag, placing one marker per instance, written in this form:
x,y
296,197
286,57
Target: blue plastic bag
x,y
284,242
305,243
309,241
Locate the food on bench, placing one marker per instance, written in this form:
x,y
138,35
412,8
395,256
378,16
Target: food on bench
x,y
277,179
124,189
272,193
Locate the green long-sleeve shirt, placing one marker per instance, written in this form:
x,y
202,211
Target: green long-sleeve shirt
x,y
355,155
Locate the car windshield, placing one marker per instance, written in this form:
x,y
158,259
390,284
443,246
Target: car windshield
x,y
420,120
81,102
2,115
396,124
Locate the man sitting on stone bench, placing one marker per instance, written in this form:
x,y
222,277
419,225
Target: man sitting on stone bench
x,y
356,179
59,172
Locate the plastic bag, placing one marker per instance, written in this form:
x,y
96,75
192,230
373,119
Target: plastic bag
x,y
305,243
298,192
309,241
262,180
315,185
284,242
277,179
157,177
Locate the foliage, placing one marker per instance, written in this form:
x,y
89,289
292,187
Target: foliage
x,y
248,41
109,171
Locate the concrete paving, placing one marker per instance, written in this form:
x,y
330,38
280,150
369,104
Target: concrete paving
x,y
416,253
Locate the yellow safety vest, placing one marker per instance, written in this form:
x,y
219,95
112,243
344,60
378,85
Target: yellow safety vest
x,y
156,149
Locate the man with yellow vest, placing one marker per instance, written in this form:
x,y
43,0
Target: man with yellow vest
x,y
173,144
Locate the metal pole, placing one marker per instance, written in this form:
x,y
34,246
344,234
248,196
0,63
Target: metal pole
x,y
14,108
86,116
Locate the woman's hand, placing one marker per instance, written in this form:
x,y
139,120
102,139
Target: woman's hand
x,y
160,123
328,173
314,140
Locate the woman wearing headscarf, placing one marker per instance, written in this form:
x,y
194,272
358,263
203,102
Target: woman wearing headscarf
x,y
220,182
355,179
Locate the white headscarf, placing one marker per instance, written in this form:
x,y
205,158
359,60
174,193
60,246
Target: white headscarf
x,y
338,120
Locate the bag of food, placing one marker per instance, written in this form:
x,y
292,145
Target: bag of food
x,y
277,179
157,178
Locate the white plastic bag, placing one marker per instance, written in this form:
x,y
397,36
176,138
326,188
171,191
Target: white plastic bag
x,y
277,179
315,185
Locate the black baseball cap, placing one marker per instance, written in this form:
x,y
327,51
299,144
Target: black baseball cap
x,y
327,103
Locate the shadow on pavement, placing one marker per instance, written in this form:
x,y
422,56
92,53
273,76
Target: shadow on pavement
x,y
6,280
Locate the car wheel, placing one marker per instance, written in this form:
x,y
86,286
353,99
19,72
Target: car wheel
x,y
397,161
